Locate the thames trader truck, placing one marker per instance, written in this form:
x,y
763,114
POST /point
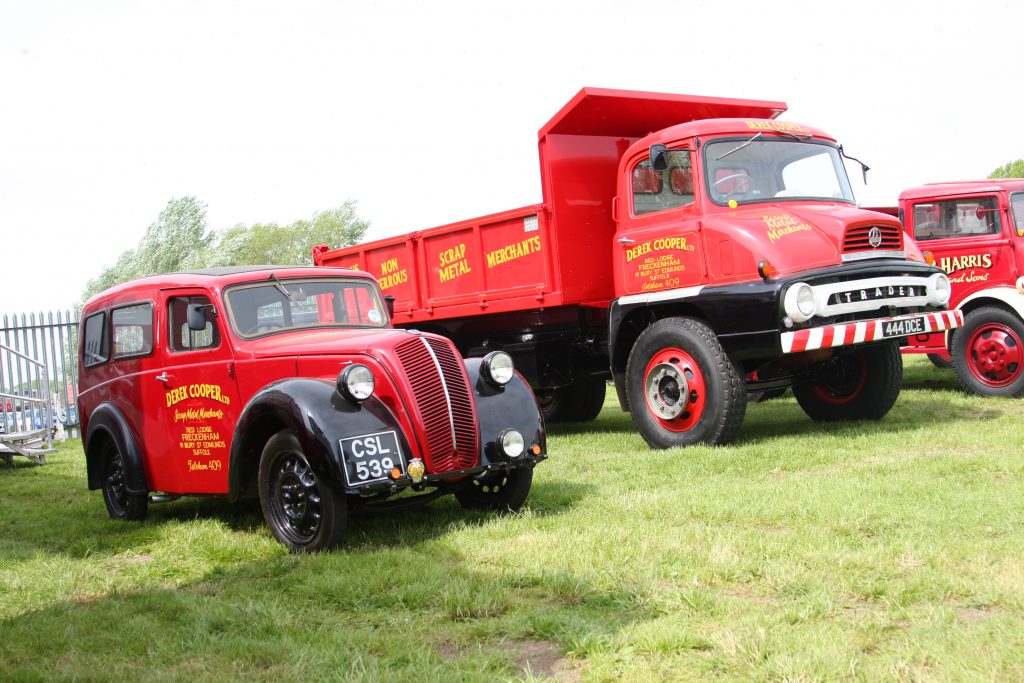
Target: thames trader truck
x,y
974,230
690,248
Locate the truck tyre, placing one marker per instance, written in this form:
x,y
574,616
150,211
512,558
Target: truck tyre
x,y
863,385
682,387
580,401
988,353
498,491
303,512
120,503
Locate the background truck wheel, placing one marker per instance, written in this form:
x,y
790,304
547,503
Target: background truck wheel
x,y
682,387
303,512
941,360
120,504
988,352
498,491
864,385
580,401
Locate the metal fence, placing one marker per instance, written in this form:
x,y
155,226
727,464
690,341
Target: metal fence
x,y
39,375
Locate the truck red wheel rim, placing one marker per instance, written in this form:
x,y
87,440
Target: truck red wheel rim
x,y
994,355
674,385
845,389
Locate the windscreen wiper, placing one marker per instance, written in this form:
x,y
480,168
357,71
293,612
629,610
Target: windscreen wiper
x,y
739,147
281,288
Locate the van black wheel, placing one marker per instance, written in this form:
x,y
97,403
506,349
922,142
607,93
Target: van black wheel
x,y
683,389
988,353
303,512
498,491
120,503
862,384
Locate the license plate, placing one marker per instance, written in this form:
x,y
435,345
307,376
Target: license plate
x,y
901,328
372,457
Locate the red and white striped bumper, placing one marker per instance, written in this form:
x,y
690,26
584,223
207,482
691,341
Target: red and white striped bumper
x,y
830,336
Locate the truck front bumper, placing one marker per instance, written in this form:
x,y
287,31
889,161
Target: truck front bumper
x,y
848,334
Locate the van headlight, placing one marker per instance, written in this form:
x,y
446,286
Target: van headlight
x,y
356,383
799,302
512,443
497,368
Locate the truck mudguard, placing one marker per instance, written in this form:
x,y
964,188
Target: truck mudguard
x,y
319,417
1005,295
108,422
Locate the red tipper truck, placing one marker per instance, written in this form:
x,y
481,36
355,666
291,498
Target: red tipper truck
x,y
974,230
691,248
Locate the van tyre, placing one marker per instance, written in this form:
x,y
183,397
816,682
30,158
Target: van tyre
x,y
120,503
303,512
862,385
499,491
988,353
682,387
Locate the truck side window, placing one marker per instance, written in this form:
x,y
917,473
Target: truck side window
x,y
133,330
184,339
659,190
1017,204
956,218
96,345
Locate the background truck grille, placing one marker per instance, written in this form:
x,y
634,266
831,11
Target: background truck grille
x,y
446,450
858,238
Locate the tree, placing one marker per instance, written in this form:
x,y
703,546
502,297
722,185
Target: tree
x,y
270,243
175,241
1014,169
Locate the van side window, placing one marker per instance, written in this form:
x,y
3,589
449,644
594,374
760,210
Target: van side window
x,y
956,218
184,339
659,190
133,330
96,345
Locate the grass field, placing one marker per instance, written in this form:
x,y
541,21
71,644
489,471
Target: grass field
x,y
890,550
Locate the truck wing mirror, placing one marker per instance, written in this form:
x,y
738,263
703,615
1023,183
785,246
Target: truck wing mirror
x,y
659,157
197,316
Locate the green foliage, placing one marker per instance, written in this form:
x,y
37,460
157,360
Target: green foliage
x,y
180,240
173,242
270,243
1014,169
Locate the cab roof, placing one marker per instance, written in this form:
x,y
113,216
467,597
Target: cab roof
x,y
728,127
220,277
959,187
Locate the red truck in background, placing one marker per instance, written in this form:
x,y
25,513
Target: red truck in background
x,y
974,230
692,249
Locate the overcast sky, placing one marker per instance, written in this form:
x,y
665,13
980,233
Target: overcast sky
x,y
427,112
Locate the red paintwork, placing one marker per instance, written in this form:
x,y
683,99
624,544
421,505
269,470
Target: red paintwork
x,y
238,367
980,266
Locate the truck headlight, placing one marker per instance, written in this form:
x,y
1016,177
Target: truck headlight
x,y
940,289
497,368
512,443
356,382
799,302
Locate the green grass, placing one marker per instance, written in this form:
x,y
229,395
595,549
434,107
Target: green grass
x,y
890,550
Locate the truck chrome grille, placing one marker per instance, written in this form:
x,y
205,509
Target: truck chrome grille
x,y
443,403
859,238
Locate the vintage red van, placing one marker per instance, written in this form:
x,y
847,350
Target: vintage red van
x,y
974,230
289,383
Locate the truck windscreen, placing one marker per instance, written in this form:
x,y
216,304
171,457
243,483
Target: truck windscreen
x,y
764,169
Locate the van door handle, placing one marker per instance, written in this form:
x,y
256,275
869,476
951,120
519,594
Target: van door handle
x,y
164,377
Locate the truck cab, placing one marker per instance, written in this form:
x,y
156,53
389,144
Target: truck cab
x,y
974,231
290,384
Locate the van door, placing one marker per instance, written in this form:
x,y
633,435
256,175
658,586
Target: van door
x,y
192,399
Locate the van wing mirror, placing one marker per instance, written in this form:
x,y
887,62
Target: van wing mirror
x,y
659,157
196,315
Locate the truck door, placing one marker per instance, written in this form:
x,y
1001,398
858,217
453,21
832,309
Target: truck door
x,y
968,239
192,399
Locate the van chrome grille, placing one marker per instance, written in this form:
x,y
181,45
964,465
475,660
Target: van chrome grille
x,y
442,402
